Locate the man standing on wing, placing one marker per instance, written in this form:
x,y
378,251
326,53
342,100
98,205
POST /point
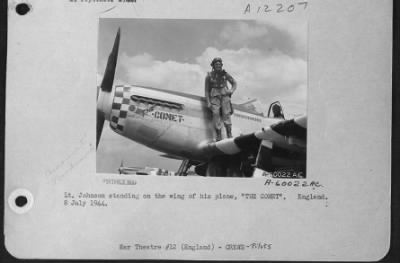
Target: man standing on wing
x,y
218,97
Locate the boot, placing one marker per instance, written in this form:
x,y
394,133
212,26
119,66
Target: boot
x,y
228,131
218,135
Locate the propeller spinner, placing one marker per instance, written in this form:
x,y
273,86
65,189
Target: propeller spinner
x,y
106,87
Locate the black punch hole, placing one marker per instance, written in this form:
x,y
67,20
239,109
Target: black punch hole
x,y
21,200
22,9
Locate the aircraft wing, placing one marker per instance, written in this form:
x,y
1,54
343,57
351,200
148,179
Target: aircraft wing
x,y
281,146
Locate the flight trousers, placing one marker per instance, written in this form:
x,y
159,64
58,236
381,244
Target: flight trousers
x,y
221,109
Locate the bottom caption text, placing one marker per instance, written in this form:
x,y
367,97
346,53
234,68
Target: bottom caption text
x,y
196,247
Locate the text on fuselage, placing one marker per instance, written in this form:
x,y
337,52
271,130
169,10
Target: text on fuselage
x,y
168,116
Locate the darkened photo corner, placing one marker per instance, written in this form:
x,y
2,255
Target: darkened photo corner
x,y
213,98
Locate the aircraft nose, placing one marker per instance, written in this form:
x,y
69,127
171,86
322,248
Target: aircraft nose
x,y
104,103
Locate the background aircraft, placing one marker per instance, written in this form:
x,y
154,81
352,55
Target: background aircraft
x,y
143,170
179,125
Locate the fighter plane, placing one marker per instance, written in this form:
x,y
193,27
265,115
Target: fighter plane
x,y
143,170
179,126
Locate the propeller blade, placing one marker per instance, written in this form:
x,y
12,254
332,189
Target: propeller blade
x,y
99,128
108,79
107,82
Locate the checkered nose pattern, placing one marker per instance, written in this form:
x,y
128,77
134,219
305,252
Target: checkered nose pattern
x,y
119,108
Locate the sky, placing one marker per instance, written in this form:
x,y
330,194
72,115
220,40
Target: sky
x,y
268,59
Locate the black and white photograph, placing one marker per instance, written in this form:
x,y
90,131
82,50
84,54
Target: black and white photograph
x,y
198,130
202,97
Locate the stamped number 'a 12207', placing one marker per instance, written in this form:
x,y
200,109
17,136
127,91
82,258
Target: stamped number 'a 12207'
x,y
275,8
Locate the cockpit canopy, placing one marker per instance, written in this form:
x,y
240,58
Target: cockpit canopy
x,y
275,109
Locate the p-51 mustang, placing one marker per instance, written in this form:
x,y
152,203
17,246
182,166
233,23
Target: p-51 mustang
x,y
143,170
179,125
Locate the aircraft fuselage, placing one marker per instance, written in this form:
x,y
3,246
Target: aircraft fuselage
x,y
171,122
